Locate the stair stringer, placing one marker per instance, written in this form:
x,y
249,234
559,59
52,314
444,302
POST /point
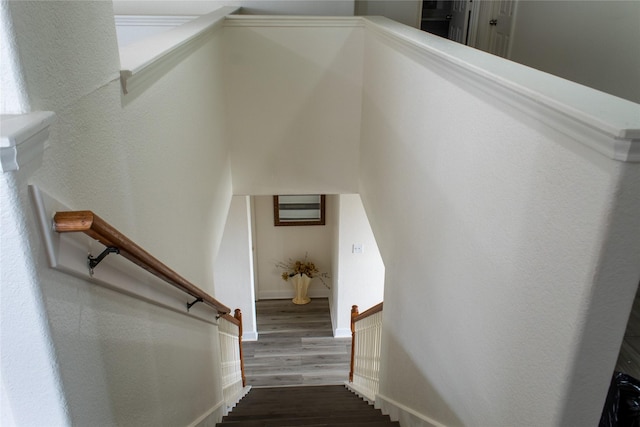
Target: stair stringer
x,y
360,393
244,392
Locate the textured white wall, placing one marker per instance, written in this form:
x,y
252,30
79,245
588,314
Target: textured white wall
x,y
14,98
360,277
26,351
233,268
274,244
594,43
294,108
256,7
502,303
507,245
407,12
155,165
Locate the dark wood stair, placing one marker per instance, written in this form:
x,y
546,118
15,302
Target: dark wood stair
x,y
304,406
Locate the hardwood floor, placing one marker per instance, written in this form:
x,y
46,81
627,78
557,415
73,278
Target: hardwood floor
x,y
295,346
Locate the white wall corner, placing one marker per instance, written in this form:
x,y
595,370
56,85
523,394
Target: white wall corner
x,y
627,150
23,138
342,333
249,336
405,415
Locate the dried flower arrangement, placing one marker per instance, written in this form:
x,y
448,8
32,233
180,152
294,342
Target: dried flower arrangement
x,y
304,266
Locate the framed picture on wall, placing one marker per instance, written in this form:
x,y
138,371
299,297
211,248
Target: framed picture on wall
x,y
301,209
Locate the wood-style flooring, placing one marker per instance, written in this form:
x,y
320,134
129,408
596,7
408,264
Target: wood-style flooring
x,y
319,406
295,346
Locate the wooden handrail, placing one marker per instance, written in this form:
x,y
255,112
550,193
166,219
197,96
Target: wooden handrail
x,y
230,318
356,316
92,225
373,310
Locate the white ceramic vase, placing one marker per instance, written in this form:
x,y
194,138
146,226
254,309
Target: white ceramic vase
x,y
301,286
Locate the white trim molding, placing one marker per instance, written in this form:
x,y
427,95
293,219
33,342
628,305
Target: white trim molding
x,y
292,21
24,138
249,336
139,60
152,21
211,417
603,122
342,333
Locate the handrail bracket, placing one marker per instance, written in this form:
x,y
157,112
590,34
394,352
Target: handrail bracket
x,y
95,227
191,304
93,262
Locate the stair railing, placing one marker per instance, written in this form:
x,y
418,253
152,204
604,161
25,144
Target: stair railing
x,y
229,327
95,227
366,334
233,378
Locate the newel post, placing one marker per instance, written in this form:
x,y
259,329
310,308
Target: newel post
x,y
238,315
354,314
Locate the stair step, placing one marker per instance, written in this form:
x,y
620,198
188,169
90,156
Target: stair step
x,y
292,414
303,422
318,406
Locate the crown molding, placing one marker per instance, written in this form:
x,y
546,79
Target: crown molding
x,y
152,21
603,122
23,138
293,21
142,60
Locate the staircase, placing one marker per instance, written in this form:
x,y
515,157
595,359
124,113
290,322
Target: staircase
x,y
304,406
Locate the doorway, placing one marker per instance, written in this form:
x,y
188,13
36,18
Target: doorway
x,y
484,24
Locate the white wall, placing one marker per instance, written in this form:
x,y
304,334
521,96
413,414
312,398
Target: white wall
x,y
594,43
160,177
130,29
407,12
256,7
274,244
510,248
360,276
508,276
14,98
233,268
294,107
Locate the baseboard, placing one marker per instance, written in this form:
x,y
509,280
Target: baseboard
x,y
249,336
405,415
288,294
211,417
342,333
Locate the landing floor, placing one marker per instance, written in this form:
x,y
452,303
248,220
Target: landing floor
x,y
295,346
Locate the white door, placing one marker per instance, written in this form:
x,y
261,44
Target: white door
x,y
459,24
500,27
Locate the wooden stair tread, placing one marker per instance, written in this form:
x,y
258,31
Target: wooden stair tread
x,y
304,406
318,423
